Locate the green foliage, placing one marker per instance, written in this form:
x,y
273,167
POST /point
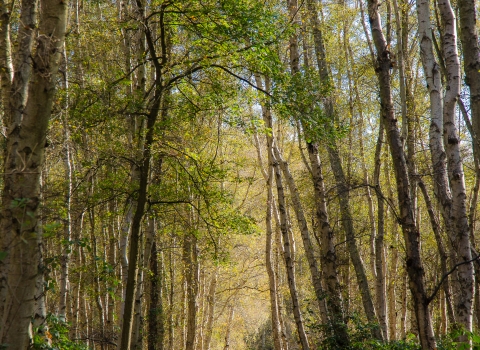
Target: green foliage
x,y
19,203
53,335
360,334
361,339
450,341
262,339
301,97
3,255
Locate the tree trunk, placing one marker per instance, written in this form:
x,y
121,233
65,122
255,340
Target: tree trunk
x,y
147,242
171,296
414,264
289,263
464,298
342,187
210,310
380,280
192,285
441,250
471,65
23,161
229,328
272,278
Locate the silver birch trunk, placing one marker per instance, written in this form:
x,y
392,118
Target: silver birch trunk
x,y
229,328
464,299
171,329
380,278
272,278
471,65
440,247
414,264
40,316
305,234
65,258
24,158
328,254
342,188
210,310
289,263
192,285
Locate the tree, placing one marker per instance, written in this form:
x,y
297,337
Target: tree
x,y
28,92
411,235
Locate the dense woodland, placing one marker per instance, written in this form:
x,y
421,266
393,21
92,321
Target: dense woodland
x,y
239,174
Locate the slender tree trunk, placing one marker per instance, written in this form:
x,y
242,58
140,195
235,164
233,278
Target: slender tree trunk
x,y
229,328
380,281
171,330
289,263
65,258
464,298
144,171
95,258
156,328
278,258
210,310
192,285
441,250
414,264
342,187
471,65
40,315
112,260
272,278
149,238
329,257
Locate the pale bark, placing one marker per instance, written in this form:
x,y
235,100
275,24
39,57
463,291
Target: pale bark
x,y
380,278
23,161
202,309
391,290
400,30
289,263
333,294
229,328
404,309
414,264
210,310
441,249
22,65
278,257
112,256
171,329
464,297
437,149
65,258
342,192
6,63
393,272
275,159
471,65
305,234
191,266
272,278
40,316
96,272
